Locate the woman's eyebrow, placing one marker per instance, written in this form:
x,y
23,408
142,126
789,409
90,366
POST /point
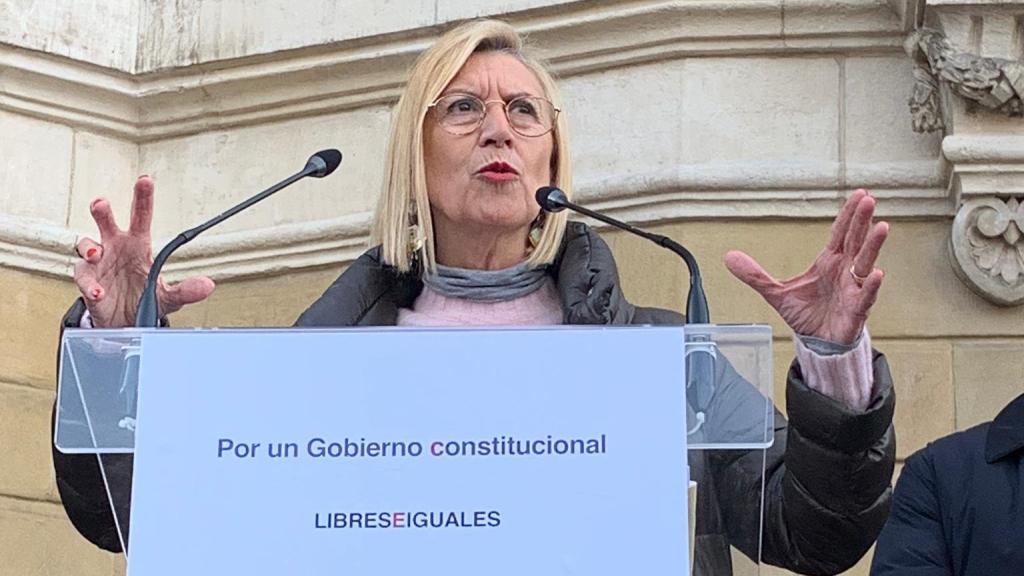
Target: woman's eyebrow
x,y
508,97
459,90
512,96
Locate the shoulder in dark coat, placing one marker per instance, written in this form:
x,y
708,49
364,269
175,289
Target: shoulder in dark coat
x,y
958,509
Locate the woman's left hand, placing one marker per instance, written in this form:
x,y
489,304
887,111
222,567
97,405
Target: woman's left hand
x,y
831,300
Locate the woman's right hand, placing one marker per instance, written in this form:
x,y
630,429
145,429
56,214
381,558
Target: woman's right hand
x,y
112,274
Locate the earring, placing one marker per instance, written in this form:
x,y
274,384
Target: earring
x,y
415,239
536,230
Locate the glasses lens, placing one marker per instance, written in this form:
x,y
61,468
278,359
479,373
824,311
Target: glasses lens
x,y
531,116
460,113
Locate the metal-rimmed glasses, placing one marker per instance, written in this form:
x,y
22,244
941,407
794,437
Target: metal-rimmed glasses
x,y
462,114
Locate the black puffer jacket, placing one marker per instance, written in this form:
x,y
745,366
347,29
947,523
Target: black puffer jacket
x,y
827,478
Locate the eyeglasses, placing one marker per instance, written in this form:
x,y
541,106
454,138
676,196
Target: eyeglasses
x,y
462,114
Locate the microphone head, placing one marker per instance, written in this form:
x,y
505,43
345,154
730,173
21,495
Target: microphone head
x,y
323,163
551,199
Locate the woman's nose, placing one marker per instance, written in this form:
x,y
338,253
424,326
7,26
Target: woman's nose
x,y
495,129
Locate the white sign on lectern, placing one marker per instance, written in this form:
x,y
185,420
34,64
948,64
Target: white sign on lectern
x,y
396,452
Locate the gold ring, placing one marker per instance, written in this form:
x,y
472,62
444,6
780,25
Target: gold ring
x,y
858,279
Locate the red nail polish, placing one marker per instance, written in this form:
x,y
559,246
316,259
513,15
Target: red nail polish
x,y
90,252
96,293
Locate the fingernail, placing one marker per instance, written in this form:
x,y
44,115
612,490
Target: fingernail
x,y
90,253
144,176
96,293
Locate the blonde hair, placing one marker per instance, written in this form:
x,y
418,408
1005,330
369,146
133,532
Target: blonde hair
x,y
404,198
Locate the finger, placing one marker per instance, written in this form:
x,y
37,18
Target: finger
x,y
859,226
142,206
752,274
842,222
869,292
89,250
865,260
188,291
104,218
88,285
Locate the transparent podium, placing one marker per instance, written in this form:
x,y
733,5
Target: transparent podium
x,y
208,406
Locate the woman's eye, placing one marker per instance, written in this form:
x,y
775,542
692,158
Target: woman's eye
x,y
524,107
463,106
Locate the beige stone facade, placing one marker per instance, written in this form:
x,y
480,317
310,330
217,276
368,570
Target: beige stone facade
x,y
726,124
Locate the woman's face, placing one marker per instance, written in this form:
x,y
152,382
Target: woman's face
x,y
482,184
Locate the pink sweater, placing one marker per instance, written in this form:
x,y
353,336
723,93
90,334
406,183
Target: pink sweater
x,y
539,308
846,378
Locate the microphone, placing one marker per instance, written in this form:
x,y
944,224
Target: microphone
x,y
148,314
700,351
552,199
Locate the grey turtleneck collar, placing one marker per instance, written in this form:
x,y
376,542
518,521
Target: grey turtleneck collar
x,y
486,285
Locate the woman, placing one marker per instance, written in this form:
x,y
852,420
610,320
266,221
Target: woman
x,y
461,241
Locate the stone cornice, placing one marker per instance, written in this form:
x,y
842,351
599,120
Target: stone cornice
x,y
985,165
686,192
69,92
984,148
35,246
575,39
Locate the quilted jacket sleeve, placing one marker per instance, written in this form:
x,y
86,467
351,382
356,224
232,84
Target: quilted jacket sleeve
x,y
827,477
81,484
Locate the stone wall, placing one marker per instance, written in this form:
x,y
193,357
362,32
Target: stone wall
x,y
726,124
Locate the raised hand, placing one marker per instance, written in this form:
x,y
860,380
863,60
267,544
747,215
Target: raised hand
x,y
112,274
832,299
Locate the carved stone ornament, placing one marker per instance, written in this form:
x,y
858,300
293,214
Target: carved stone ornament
x,y
994,83
988,245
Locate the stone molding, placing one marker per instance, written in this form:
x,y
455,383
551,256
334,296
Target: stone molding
x,y
970,84
985,165
995,84
987,245
577,38
35,246
741,190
